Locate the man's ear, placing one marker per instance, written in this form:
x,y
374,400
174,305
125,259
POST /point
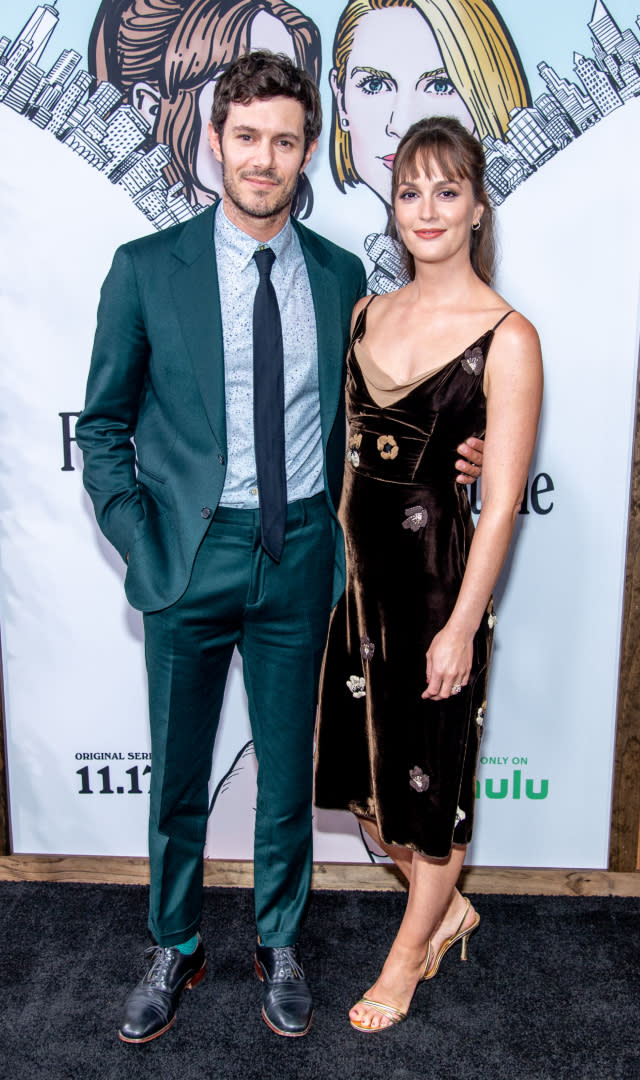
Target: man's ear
x,y
311,149
214,142
145,99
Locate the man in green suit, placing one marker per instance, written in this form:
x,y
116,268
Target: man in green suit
x,y
174,470
167,437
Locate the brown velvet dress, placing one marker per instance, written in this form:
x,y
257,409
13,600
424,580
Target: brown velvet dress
x,y
382,751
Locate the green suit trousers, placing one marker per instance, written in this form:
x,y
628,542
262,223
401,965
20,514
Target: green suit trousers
x,y
277,616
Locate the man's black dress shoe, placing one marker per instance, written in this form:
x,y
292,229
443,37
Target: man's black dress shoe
x,y
151,1006
286,1006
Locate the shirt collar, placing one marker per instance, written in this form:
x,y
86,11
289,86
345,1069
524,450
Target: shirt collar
x,y
238,246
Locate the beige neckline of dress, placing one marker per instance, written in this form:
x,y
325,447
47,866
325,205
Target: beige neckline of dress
x,y
389,391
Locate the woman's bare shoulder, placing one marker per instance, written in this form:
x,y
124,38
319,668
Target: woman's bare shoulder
x,y
515,356
510,325
379,303
517,330
358,307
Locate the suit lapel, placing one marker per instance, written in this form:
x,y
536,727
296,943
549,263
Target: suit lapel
x,y
194,284
327,307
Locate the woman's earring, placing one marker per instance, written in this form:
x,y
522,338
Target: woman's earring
x,y
344,124
475,226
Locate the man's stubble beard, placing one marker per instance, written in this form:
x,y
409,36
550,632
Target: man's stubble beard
x,y
261,212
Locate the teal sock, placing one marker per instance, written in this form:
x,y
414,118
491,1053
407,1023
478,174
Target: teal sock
x,y
189,946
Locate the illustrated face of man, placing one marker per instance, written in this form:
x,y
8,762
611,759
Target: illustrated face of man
x,y
262,154
266,32
395,76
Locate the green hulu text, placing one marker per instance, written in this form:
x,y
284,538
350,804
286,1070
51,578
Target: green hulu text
x,y
492,788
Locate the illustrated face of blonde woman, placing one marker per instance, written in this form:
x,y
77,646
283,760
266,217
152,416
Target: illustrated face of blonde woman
x,y
267,32
395,75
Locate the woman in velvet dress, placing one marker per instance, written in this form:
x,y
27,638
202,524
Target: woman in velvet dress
x,y
403,690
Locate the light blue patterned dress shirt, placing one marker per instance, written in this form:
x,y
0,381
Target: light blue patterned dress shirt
x,y
238,281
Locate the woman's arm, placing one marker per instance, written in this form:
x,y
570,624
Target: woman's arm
x,y
513,385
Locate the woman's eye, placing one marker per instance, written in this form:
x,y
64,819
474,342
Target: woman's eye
x,y
407,195
373,84
441,85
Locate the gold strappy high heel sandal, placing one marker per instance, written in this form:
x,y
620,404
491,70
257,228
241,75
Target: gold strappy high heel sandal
x,y
394,1015
460,935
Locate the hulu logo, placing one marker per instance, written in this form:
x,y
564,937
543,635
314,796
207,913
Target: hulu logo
x,y
505,787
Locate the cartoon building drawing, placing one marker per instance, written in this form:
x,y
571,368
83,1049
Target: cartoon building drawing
x,y
36,32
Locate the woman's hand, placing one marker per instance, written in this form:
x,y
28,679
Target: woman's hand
x,y
448,664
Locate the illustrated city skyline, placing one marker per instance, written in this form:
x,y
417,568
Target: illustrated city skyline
x,y
112,136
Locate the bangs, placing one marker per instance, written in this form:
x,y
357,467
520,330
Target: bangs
x,y
432,156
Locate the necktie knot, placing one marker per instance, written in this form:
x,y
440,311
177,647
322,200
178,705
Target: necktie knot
x,y
265,258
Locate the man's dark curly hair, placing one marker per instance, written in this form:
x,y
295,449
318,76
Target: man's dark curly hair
x,y
263,74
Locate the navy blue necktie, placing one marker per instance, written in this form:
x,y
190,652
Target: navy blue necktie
x,y
268,408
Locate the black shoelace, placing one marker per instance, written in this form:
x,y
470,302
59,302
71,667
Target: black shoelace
x,y
286,965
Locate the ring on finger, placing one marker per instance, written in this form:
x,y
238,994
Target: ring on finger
x,y
456,688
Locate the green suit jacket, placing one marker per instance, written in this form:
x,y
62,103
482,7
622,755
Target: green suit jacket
x,y
153,428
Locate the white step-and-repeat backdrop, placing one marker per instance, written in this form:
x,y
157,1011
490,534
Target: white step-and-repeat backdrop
x,y
101,114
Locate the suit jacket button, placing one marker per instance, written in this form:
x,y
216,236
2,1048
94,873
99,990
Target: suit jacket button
x,y
205,512
221,459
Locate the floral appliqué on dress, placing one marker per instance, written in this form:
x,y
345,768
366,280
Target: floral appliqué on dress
x,y
492,619
415,518
352,453
356,685
388,447
419,781
367,648
460,816
473,361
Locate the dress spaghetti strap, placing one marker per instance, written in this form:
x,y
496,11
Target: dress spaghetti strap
x,y
506,314
360,324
